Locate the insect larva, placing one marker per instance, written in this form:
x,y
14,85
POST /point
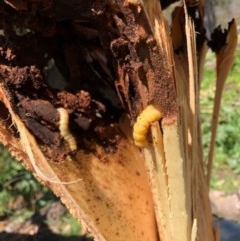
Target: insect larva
x,y
147,116
64,131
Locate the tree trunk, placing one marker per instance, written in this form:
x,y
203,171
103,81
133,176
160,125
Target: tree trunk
x,y
75,75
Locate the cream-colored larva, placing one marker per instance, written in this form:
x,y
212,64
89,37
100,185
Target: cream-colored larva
x,y
64,131
140,129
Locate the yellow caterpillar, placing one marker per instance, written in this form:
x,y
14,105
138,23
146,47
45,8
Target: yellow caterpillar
x,y
147,116
64,131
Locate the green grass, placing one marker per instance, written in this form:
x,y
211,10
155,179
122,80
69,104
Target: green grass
x,y
226,172
15,181
21,195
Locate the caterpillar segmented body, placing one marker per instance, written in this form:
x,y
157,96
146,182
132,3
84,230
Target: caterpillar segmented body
x,y
140,129
64,131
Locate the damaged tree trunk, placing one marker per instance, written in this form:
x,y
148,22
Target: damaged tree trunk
x,y
76,75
